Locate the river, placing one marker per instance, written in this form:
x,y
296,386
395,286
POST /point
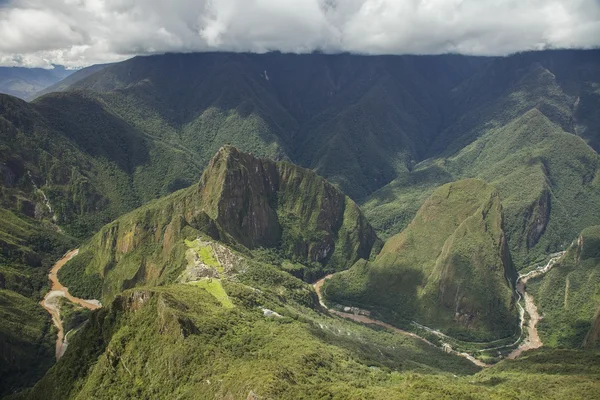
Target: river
x,y
51,302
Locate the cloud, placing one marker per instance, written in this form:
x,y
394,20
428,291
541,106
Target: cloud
x,y
82,32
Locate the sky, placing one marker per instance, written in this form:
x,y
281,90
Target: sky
x,y
76,33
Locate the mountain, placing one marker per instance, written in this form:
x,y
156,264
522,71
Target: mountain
x,y
449,269
69,80
204,316
26,82
245,202
519,133
568,295
356,120
472,168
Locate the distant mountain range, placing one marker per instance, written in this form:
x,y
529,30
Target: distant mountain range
x,y
29,83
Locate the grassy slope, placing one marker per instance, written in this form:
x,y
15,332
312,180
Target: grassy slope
x,y
448,269
569,295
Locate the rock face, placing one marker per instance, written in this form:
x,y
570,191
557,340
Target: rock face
x,y
537,219
450,269
262,203
244,202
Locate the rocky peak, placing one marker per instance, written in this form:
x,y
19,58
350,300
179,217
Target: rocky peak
x,y
262,203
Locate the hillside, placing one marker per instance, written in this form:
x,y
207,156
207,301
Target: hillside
x,y
357,121
27,250
569,295
472,168
69,80
518,134
449,269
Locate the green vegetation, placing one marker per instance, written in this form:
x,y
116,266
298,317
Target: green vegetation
x,y
513,131
26,342
449,269
206,254
73,276
390,131
178,339
215,288
569,296
27,250
242,201
72,315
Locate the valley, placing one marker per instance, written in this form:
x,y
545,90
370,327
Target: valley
x,y
52,304
528,340
274,226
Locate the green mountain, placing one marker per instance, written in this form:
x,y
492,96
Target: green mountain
x,y
568,296
471,167
519,134
357,121
449,269
273,209
206,317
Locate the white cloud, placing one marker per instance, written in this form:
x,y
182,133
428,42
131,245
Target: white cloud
x,y
83,32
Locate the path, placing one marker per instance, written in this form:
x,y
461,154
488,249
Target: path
x,y
51,301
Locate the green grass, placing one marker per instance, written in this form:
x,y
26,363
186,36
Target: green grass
x,y
215,288
205,253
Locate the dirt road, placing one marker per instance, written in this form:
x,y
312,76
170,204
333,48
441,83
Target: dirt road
x,y
51,301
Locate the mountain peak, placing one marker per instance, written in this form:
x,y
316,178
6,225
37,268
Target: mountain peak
x,y
262,203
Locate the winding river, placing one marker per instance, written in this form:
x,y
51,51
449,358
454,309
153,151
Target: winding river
x,y
51,302
532,341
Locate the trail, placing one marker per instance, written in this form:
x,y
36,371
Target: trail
x,y
531,342
51,302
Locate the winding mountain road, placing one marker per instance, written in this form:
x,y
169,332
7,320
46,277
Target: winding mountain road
x,y
51,302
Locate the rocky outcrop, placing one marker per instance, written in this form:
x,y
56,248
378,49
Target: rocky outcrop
x,y
537,218
262,203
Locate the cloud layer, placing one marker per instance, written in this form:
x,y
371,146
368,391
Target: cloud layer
x,y
82,32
